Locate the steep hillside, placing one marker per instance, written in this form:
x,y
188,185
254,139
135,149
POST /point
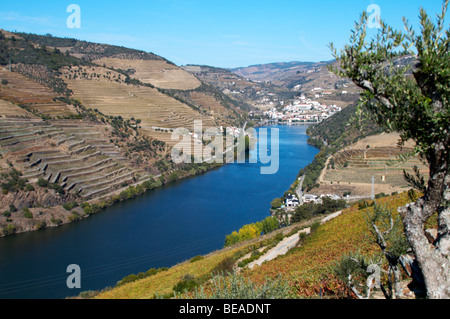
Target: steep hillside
x,y
307,268
307,78
276,71
342,129
239,88
351,169
84,125
159,73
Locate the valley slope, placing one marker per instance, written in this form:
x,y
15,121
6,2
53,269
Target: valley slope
x,y
84,125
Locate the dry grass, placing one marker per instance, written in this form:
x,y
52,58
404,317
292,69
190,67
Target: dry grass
x,y
363,163
8,109
34,96
156,72
163,282
153,108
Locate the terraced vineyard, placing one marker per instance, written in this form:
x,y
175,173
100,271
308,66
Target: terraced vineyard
x,y
7,109
153,108
308,268
77,155
352,169
84,123
31,95
156,72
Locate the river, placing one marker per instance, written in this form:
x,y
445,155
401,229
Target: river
x,y
159,229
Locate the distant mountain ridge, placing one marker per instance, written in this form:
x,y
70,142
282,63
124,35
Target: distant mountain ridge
x,y
276,71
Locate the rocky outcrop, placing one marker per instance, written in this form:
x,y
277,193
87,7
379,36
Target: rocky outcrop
x,y
41,197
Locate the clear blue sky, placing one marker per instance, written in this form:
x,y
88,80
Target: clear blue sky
x,y
223,33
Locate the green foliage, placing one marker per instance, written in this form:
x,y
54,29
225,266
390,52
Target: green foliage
x,y
41,225
173,176
14,182
70,205
315,226
315,142
9,230
23,51
73,217
88,210
42,182
342,129
46,184
364,204
312,171
386,229
56,221
276,203
418,181
224,267
27,213
196,258
187,283
270,224
389,93
310,210
246,232
141,275
352,268
254,256
237,287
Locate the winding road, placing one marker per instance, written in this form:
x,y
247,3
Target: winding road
x,y
287,243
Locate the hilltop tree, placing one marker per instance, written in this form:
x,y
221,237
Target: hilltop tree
x,y
412,99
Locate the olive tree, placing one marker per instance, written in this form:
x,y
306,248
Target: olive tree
x,y
412,99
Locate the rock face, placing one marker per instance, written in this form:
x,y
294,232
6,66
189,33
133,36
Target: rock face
x,y
431,234
41,197
34,210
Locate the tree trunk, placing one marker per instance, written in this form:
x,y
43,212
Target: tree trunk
x,y
433,258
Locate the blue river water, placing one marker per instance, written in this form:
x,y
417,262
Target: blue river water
x,y
158,229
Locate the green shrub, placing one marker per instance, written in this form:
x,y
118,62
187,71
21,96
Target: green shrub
x,y
186,284
42,182
70,205
9,230
56,221
88,210
41,225
315,226
73,217
270,224
225,267
238,287
29,188
196,258
27,213
141,275
276,203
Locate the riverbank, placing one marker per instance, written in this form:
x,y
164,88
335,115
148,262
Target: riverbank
x,y
73,211
180,220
